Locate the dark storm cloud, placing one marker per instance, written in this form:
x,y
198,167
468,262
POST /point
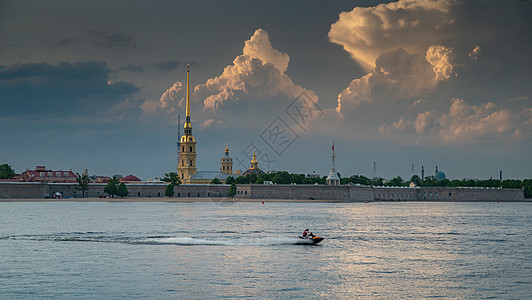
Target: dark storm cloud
x,y
64,41
164,66
167,66
65,89
132,68
110,40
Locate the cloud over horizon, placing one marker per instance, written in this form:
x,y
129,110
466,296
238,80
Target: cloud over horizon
x,y
366,32
66,89
418,59
255,83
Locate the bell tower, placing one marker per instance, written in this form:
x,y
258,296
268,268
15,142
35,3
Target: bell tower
x,y
187,154
226,166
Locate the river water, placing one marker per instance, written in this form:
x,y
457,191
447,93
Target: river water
x,y
69,250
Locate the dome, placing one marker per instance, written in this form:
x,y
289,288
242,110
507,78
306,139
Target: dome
x,y
253,171
440,176
130,178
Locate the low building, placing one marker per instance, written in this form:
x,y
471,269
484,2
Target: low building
x,y
41,174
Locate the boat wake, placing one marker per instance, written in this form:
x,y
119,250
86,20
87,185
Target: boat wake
x,y
101,237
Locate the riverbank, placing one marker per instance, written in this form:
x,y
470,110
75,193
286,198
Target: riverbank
x,y
218,200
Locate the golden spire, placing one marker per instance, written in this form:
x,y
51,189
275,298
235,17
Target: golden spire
x,y
187,122
226,149
254,160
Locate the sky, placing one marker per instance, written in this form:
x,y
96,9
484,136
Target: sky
x,y
395,85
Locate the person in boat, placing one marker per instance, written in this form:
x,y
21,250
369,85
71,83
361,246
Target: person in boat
x,y
305,233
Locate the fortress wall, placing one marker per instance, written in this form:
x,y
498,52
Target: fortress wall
x,y
384,193
23,190
295,192
361,193
469,194
41,190
258,191
201,190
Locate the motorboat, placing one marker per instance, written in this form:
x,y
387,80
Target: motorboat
x,y
312,239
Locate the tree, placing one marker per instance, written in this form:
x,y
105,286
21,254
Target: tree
x,y
83,183
232,190
173,178
242,180
308,181
229,180
215,181
6,172
281,178
122,190
112,186
527,187
169,191
252,178
511,184
397,181
416,180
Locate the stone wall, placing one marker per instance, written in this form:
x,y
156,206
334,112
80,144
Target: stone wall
x,y
68,190
296,192
353,193
23,190
385,193
348,193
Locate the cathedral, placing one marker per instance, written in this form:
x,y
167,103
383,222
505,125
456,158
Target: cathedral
x,y
186,168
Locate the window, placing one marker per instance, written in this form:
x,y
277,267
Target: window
x,y
183,149
178,194
191,163
183,163
190,149
138,194
223,168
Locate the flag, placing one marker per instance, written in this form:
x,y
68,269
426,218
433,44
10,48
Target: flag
x,y
333,147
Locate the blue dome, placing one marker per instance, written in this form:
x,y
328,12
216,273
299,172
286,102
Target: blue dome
x,y
440,176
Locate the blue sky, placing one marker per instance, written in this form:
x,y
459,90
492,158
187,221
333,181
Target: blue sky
x,y
98,85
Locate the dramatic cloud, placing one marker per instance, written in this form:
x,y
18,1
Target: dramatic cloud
x,y
366,32
419,56
65,89
465,123
259,46
397,75
440,58
173,97
255,76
